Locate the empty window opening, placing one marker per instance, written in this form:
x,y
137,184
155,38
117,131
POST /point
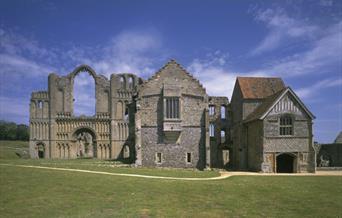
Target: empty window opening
x,y
159,157
126,113
84,94
40,104
211,130
223,136
286,125
122,82
130,83
172,108
188,157
223,112
211,110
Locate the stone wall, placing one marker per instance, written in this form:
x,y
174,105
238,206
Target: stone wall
x,y
255,145
220,147
173,138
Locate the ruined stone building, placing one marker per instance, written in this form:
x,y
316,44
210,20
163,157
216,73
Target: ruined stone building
x,y
170,121
330,155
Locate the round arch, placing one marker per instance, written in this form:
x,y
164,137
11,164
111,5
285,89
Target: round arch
x,y
40,150
84,139
84,129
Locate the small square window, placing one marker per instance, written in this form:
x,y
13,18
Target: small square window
x,y
158,157
188,157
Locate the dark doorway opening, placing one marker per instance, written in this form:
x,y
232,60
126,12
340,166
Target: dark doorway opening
x,y
41,154
41,150
285,163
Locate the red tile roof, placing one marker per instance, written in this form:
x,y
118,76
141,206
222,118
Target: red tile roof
x,y
259,87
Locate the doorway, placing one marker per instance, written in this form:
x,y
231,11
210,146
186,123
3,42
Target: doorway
x,y
41,151
285,163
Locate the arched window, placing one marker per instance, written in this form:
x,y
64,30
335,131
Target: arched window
x,y
211,110
122,82
223,112
40,104
286,125
212,130
84,94
130,83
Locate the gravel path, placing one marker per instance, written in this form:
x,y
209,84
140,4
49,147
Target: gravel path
x,y
223,174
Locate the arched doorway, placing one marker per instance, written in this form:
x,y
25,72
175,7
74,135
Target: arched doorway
x,y
85,139
285,163
40,150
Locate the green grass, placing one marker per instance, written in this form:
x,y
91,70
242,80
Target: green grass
x,y
28,192
8,149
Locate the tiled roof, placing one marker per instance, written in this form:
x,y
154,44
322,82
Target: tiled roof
x,y
339,138
264,106
259,87
268,102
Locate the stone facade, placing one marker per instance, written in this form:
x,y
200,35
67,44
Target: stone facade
x,y
261,142
170,121
55,132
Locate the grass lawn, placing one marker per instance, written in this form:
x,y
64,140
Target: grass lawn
x,y
28,192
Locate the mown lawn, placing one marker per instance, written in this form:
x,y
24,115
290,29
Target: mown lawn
x,y
27,192
13,149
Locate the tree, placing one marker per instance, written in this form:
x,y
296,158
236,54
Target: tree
x,y
12,131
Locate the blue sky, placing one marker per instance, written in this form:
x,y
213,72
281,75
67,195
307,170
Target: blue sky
x,y
300,41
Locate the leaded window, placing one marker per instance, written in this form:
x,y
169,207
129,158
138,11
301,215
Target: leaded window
x,y
286,125
172,110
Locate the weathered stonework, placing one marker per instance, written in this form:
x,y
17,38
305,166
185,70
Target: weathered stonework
x,y
170,121
258,142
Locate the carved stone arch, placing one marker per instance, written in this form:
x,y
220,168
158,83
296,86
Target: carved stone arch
x,y
84,128
85,139
83,68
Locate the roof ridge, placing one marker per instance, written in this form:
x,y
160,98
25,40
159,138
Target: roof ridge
x,y
173,61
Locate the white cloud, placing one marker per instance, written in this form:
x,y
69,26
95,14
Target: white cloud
x,y
324,53
128,52
214,74
318,87
14,64
281,28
